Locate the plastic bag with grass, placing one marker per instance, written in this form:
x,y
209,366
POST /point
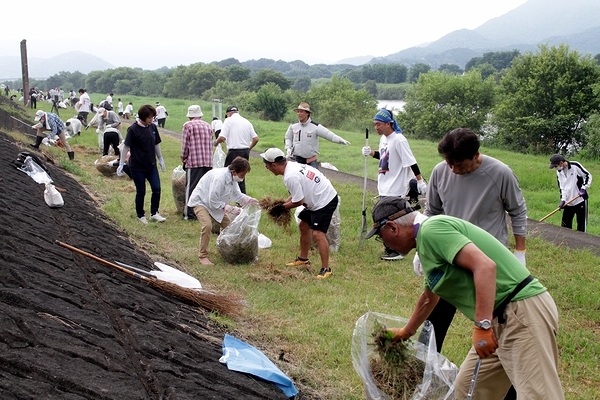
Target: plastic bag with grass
x,y
438,374
238,243
178,186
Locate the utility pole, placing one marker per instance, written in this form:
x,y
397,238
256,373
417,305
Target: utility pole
x,y
25,72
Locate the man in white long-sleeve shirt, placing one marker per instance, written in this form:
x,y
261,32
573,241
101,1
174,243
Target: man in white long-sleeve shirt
x,y
302,137
211,197
573,181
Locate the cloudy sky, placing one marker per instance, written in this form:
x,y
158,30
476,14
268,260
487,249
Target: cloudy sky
x,y
176,32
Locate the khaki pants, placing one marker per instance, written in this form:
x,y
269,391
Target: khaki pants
x,y
206,221
527,355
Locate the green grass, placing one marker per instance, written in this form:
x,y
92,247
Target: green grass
x,y
311,321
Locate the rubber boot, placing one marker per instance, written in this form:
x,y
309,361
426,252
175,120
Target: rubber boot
x,y
38,141
71,155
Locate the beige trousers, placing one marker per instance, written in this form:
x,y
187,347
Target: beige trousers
x,y
206,221
527,355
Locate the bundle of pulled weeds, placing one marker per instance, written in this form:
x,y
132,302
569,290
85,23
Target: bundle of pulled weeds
x,y
395,368
239,249
106,165
267,203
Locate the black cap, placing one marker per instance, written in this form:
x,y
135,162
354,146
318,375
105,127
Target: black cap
x,y
232,109
388,209
555,160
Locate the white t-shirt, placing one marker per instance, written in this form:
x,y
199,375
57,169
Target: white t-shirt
x,y
216,124
84,103
395,159
238,132
161,112
308,183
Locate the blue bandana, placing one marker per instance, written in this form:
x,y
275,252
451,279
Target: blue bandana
x,y
386,116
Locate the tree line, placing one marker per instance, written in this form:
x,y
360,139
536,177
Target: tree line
x,y
541,102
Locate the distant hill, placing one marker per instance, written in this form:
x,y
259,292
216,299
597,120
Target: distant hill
x,y
41,68
552,22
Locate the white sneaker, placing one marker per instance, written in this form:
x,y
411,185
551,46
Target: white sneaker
x,y
143,220
158,218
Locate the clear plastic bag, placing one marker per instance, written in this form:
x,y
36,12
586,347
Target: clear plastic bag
x,y
439,375
238,243
219,157
36,172
178,186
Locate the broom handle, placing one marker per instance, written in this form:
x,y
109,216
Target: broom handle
x,y
100,260
558,209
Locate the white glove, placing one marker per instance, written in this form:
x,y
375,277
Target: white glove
x,y
417,265
343,142
422,186
97,130
250,201
120,170
520,254
161,162
288,152
232,210
366,151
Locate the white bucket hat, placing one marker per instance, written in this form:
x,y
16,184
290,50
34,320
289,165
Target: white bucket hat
x,y
194,111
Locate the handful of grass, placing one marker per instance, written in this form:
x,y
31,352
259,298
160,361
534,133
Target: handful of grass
x,y
267,203
395,368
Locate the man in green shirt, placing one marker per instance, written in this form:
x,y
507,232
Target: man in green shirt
x,y
515,318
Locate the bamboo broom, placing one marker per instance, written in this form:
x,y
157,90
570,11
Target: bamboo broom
x,y
228,305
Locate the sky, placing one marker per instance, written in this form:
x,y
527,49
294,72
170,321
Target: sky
x,y
155,34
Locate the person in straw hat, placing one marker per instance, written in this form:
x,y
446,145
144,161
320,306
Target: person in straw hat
x,y
302,137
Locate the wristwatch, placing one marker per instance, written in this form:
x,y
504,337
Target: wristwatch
x,y
484,324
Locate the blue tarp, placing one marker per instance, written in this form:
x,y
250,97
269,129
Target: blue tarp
x,y
242,357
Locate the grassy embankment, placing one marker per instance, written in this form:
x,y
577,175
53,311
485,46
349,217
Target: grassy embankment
x,y
311,321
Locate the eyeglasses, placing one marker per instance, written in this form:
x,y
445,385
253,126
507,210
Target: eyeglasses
x,y
378,238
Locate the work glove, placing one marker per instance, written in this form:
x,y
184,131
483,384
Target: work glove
x,y
343,142
583,194
288,152
484,342
422,186
97,130
277,210
366,151
562,204
235,211
520,254
417,265
120,170
398,334
250,201
215,144
161,162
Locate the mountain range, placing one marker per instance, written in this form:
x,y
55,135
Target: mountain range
x,y
551,22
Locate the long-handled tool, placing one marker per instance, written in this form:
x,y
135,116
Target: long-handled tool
x,y
559,208
474,379
224,304
363,229
169,274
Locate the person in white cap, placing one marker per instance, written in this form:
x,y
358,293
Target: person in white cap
x,y
573,182
110,123
161,114
302,137
47,121
308,187
196,153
